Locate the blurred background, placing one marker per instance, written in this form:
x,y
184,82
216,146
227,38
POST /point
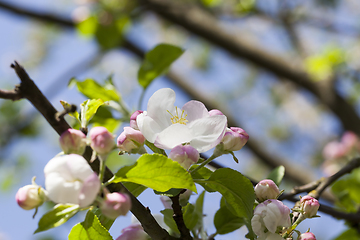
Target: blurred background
x,y
285,71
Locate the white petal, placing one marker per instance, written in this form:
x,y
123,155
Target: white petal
x,y
89,190
207,132
79,167
148,127
195,110
60,191
159,104
172,136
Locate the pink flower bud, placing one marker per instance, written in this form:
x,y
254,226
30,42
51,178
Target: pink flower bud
x,y
334,150
270,215
266,189
102,141
115,204
309,206
130,140
215,112
30,196
73,141
133,232
133,117
185,155
234,139
307,236
350,141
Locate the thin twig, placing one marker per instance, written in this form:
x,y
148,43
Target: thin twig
x,y
178,218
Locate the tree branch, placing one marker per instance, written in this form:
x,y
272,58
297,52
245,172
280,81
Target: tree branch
x,y
178,218
30,91
10,94
199,22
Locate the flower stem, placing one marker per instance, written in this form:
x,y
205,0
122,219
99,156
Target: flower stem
x,y
102,168
215,155
292,228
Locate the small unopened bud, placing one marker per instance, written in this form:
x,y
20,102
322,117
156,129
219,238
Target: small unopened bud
x,y
185,155
102,141
307,236
133,117
73,141
215,112
115,204
266,189
133,232
131,140
234,139
309,206
30,196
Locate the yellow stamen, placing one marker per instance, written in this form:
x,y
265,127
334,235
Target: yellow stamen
x,y
177,119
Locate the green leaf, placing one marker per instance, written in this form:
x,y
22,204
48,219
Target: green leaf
x,y
88,110
156,62
93,90
104,118
57,216
350,234
225,221
135,189
169,220
157,172
90,229
236,189
110,35
88,26
277,174
170,193
104,221
191,218
203,174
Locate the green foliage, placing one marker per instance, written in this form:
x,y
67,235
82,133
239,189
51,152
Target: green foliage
x,y
239,196
88,110
157,172
321,66
170,193
202,174
350,234
107,30
104,221
90,229
73,114
105,118
93,90
347,191
225,221
156,62
169,221
60,214
277,175
135,189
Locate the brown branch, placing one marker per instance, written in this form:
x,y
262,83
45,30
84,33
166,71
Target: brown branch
x,y
30,91
199,22
178,218
27,89
10,94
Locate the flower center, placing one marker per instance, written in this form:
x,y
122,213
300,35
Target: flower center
x,y
177,119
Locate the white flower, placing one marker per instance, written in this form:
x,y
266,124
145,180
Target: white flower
x,y
270,236
270,215
167,126
69,179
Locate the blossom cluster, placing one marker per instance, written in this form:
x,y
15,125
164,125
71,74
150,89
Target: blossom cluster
x,y
271,220
186,132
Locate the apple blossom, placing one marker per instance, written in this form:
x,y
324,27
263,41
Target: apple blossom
x,y
266,189
309,206
131,140
115,204
73,141
185,155
30,196
234,139
214,112
307,236
270,236
133,117
102,141
133,232
270,215
69,179
167,126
